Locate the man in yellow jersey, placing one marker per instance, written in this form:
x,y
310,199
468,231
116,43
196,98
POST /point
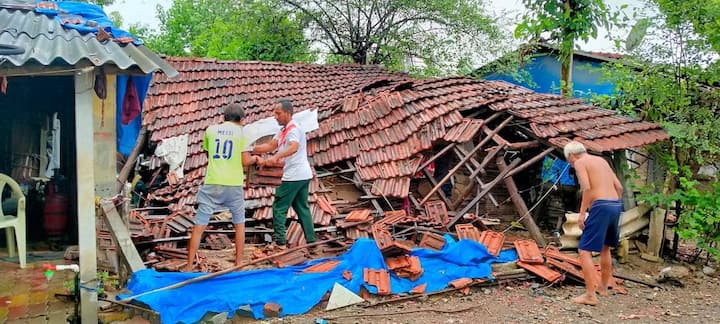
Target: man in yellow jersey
x,y
291,146
228,153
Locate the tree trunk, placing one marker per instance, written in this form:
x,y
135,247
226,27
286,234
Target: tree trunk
x,y
566,64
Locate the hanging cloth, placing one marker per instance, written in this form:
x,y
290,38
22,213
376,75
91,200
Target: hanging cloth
x,y
131,103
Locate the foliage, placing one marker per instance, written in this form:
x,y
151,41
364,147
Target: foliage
x,y
425,37
671,78
562,23
227,29
700,218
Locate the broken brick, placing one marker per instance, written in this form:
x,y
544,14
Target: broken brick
x,y
323,266
436,211
347,275
378,278
417,290
258,254
290,259
467,232
432,241
542,271
271,309
398,262
461,283
528,252
411,270
218,241
566,267
382,238
358,215
553,252
493,241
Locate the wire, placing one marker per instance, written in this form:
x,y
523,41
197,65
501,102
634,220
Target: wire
x,y
545,195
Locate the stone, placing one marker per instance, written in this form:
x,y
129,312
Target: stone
x,y
708,270
272,309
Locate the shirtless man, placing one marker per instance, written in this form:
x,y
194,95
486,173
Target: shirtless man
x,y
600,211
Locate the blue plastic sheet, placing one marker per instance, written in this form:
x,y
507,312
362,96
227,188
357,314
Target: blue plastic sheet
x,y
298,292
554,168
85,12
127,134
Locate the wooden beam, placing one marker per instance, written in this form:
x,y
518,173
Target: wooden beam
x,y
524,145
457,167
434,183
520,206
496,138
482,194
474,174
529,162
130,162
359,184
121,235
436,156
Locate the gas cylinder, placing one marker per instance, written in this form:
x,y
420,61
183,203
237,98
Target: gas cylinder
x,y
55,211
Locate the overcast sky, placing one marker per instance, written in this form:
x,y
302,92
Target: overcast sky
x,y
143,11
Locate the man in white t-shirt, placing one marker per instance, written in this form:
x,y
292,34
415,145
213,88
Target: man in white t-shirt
x,y
294,189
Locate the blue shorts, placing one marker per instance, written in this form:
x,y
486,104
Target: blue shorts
x,y
602,225
213,198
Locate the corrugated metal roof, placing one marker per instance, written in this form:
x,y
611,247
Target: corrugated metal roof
x,y
46,42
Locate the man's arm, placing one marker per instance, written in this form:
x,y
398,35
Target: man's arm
x,y
290,150
584,180
248,159
269,146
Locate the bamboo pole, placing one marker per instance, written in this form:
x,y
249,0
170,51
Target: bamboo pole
x,y
519,203
220,273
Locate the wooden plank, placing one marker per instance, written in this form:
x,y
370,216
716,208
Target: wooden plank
x,y
482,194
519,203
121,235
620,164
463,161
656,232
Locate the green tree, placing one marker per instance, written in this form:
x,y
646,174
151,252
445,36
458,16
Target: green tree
x,y
227,29
562,23
424,36
670,77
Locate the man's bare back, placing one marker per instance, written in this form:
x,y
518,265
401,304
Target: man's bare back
x,y
602,183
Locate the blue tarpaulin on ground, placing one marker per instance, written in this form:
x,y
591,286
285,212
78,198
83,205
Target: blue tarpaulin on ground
x,y
298,292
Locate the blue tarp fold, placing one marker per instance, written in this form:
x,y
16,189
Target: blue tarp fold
x,y
298,292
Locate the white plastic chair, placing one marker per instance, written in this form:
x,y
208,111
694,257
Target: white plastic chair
x,y
14,222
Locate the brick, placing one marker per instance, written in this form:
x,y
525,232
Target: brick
x,y
528,252
378,278
271,309
290,259
436,211
553,252
493,241
412,270
382,238
398,262
323,266
347,275
432,241
566,267
542,271
467,232
358,215
417,290
460,283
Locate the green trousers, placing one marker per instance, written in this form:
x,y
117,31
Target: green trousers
x,y
295,194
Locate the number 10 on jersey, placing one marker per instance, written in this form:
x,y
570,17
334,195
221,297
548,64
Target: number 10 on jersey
x,y
227,148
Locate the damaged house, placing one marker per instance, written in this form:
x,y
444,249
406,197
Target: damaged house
x,y
394,156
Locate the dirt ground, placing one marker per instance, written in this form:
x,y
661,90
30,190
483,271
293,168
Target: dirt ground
x,y
529,301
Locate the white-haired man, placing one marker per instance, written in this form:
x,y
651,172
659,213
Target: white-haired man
x,y
600,211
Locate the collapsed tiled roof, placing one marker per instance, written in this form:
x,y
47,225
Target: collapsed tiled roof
x,y
380,121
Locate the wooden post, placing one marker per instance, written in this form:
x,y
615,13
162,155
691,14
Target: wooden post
x,y
520,204
121,235
85,174
619,159
656,232
459,165
434,183
130,162
475,174
482,194
436,156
